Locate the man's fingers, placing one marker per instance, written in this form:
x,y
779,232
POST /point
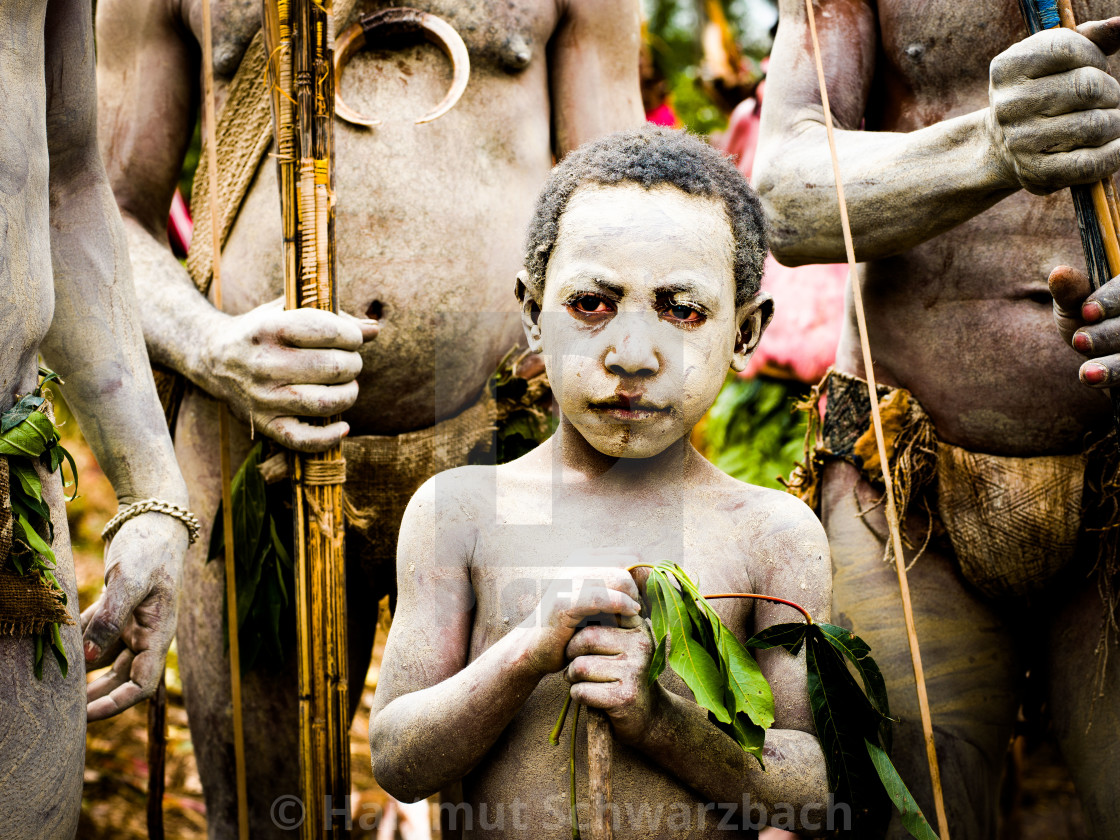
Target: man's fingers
x,y
311,400
1072,92
1103,303
1069,287
1103,372
1045,54
1101,339
316,328
302,436
1104,33
102,633
369,326
318,367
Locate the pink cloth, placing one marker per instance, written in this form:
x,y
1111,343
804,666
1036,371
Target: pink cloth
x,y
180,228
808,301
664,115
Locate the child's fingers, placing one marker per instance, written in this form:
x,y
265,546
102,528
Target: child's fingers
x,y
600,599
600,669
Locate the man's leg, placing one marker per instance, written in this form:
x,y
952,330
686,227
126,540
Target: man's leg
x,y
970,668
1085,708
269,702
43,722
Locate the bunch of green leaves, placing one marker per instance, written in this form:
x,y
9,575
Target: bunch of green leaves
x,y
752,432
264,573
717,668
852,723
27,435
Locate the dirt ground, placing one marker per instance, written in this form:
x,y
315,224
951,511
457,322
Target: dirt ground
x,y
114,797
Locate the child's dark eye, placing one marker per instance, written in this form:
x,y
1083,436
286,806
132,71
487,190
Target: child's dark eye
x,y
591,305
684,313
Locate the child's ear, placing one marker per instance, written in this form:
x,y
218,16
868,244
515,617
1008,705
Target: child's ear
x,y
754,316
530,313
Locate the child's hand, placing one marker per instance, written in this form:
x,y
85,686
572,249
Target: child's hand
x,y
591,584
608,671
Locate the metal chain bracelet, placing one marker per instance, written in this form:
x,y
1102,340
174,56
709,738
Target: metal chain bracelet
x,y
147,506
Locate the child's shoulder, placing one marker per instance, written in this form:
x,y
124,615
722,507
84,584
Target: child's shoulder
x,y
763,509
777,534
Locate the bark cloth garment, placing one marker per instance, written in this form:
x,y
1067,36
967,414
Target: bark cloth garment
x,y
383,473
1014,523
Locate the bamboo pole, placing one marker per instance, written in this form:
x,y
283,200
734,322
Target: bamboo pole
x,y
211,122
300,37
893,523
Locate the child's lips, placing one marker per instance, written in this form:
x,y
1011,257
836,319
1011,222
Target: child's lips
x,y
623,407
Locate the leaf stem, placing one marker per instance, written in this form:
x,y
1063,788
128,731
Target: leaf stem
x,y
772,598
554,736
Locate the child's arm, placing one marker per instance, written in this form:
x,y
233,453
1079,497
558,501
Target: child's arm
x,y
609,667
434,715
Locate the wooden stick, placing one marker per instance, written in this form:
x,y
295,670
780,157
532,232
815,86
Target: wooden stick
x,y
157,758
891,511
211,121
599,752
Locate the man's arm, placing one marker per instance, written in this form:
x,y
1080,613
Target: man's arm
x,y
435,716
1052,122
609,667
148,84
95,344
593,71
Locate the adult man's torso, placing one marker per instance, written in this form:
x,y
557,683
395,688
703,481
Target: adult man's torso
x,y
430,219
964,321
26,283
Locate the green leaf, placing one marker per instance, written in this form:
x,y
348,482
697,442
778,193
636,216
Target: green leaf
x,y
834,699
858,652
789,636
28,479
33,539
657,662
747,734
912,818
744,678
687,655
19,412
30,438
58,650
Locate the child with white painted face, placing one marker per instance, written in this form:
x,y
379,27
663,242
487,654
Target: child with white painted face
x,y
641,291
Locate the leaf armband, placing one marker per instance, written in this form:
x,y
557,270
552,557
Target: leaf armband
x,y
28,435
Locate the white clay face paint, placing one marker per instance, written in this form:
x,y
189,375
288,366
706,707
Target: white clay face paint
x,y
638,321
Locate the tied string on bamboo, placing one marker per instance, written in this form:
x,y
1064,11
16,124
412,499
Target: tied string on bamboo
x,y
322,474
890,510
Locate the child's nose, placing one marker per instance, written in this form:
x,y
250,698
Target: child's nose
x,y
632,351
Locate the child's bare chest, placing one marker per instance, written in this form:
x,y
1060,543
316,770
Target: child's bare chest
x,y
528,549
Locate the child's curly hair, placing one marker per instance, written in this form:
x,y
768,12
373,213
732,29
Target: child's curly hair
x,y
649,156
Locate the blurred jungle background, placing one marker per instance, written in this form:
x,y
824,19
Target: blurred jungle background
x,y
703,67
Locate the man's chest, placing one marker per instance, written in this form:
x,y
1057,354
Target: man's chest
x,y
941,51
499,34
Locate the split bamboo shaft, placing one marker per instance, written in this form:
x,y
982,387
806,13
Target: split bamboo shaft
x,y
300,39
891,510
211,121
